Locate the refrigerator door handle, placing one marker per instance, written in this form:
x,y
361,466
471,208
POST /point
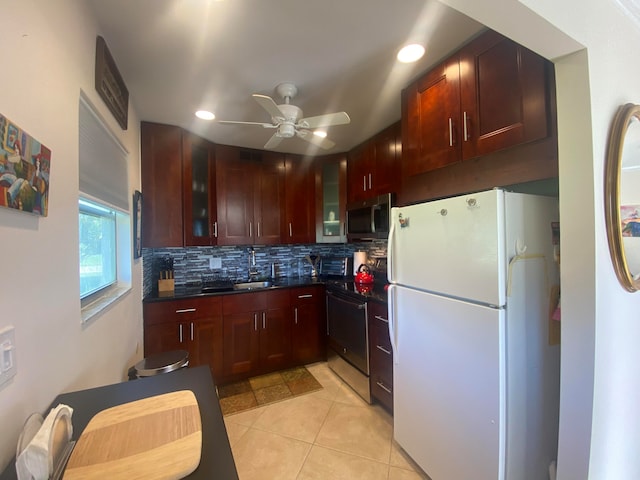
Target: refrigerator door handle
x,y
392,320
392,231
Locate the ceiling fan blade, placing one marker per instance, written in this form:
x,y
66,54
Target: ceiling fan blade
x,y
311,138
257,124
269,105
327,120
273,142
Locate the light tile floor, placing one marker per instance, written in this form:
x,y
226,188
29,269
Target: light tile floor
x,y
331,434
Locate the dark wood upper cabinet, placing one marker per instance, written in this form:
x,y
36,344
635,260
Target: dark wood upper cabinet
x,y
387,160
299,224
360,175
199,188
373,167
161,178
235,196
269,185
250,191
430,120
491,95
504,95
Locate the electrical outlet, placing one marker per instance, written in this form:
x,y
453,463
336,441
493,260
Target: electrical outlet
x,y
8,367
215,263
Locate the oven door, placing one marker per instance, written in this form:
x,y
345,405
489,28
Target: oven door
x,y
347,329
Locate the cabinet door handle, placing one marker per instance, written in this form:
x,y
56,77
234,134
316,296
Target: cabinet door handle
x,y
295,314
382,386
180,333
192,331
251,229
379,347
450,132
290,230
264,320
378,317
369,181
464,127
308,295
186,310
255,322
258,228
215,229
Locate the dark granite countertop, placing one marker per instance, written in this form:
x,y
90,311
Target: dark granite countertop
x,y
195,290
374,291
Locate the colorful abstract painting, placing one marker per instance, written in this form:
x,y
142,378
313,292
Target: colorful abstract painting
x,y
630,219
25,165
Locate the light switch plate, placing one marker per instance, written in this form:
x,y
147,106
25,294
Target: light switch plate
x,y
215,263
8,367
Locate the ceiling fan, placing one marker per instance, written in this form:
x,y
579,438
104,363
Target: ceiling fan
x,y
288,121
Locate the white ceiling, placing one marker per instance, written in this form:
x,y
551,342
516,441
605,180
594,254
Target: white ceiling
x,y
178,56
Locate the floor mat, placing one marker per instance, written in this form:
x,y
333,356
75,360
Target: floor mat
x,y
265,389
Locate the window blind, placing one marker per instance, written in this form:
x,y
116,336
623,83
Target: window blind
x,y
103,161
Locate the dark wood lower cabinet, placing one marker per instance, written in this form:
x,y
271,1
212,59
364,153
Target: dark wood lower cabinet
x,y
241,335
257,333
309,324
194,325
380,355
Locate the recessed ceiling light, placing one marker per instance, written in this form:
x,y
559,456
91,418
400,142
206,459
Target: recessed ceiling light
x,y
205,115
320,133
410,53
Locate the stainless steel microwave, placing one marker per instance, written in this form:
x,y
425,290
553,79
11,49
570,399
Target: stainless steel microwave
x,y
369,219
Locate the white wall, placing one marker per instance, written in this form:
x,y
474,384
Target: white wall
x,y
48,50
600,387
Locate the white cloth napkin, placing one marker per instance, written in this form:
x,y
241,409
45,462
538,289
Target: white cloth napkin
x,y
36,461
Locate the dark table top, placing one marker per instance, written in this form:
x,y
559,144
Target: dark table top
x,y
216,460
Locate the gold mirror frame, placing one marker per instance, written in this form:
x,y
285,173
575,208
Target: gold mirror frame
x,y
613,170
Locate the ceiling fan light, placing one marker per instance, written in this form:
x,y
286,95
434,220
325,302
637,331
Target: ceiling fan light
x,y
205,115
320,133
286,130
410,53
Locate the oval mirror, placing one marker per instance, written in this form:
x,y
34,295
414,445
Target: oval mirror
x,y
622,195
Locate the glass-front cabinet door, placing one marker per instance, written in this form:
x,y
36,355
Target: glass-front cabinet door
x,y
331,185
200,222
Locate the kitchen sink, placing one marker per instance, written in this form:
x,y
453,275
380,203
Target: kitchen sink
x,y
252,285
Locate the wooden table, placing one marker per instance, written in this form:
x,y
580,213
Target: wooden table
x,y
216,460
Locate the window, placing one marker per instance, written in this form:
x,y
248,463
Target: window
x,y
104,224
97,247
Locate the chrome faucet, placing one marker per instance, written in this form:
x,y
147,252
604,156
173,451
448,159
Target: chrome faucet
x,y
253,270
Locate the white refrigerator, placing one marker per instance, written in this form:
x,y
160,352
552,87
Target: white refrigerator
x,y
476,379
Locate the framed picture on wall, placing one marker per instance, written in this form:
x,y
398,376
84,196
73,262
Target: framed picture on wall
x,y
137,224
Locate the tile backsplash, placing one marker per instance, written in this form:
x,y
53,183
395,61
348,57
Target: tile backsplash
x,y
192,264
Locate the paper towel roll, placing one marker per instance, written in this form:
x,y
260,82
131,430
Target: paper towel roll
x,y
359,258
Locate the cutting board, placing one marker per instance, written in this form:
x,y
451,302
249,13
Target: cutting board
x,y
156,438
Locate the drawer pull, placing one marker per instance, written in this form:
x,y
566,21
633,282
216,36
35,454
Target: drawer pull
x,y
186,310
295,315
180,333
309,295
388,352
378,317
382,386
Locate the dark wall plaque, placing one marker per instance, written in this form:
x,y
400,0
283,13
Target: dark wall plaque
x,y
110,85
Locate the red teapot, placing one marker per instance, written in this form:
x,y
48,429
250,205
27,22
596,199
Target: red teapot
x,y
364,275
